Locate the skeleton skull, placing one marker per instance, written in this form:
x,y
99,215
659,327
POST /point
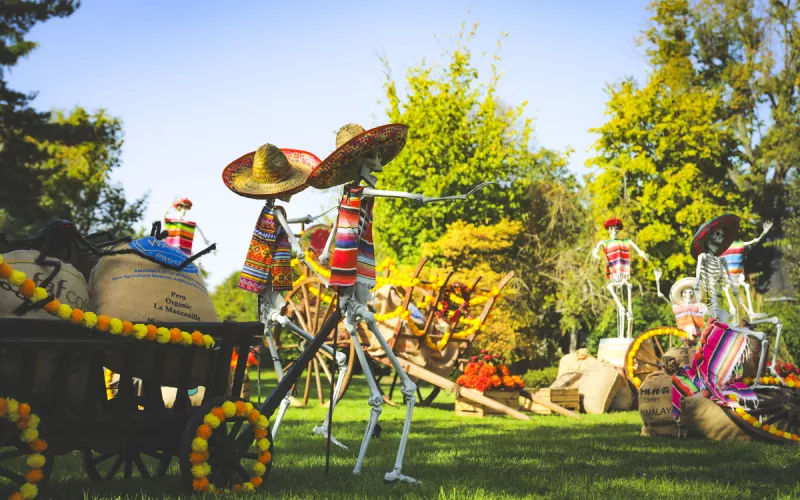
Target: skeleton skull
x,y
715,240
688,295
368,165
612,231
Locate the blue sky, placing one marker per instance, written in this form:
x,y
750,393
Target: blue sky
x,y
199,83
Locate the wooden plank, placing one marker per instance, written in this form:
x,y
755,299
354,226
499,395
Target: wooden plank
x,y
529,397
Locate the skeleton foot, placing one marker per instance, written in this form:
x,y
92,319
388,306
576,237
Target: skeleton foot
x,y
321,430
395,475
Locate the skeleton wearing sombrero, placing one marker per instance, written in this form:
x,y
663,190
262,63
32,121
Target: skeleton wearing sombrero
x,y
358,154
708,245
687,307
267,174
180,232
734,257
618,271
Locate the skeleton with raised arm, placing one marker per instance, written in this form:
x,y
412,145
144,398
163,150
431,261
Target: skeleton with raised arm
x,y
618,271
180,232
734,257
689,311
267,174
359,153
708,245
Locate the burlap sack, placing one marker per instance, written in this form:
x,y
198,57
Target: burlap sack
x,y
655,405
567,381
624,398
577,362
70,288
751,358
598,387
130,287
704,418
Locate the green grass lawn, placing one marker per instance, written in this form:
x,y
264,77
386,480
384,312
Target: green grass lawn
x,y
460,457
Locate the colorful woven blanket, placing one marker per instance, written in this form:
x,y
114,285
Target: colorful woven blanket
x,y
180,234
714,370
689,318
618,256
734,257
354,258
269,257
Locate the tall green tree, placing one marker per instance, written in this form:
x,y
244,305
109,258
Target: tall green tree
x,y
54,164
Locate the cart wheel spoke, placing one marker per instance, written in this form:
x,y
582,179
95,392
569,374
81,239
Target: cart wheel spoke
x,y
137,459
242,472
251,455
102,458
13,476
114,468
128,472
7,455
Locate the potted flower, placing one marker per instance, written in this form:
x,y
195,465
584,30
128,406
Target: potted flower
x,y
485,373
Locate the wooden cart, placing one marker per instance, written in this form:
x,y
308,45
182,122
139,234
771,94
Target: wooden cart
x,y
61,378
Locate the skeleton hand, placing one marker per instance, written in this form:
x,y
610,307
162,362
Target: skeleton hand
x,y
658,274
644,256
324,257
595,256
767,227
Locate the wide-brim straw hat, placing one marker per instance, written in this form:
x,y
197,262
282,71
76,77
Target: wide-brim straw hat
x,y
676,292
352,141
729,224
269,172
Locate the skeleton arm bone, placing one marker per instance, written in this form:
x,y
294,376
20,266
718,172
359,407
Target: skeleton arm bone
x,y
420,198
657,273
639,251
698,274
308,219
325,255
205,240
301,255
767,227
596,249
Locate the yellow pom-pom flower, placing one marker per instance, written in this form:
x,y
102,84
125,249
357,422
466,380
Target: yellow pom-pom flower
x,y
12,416
28,491
198,471
39,294
33,422
89,320
186,338
248,487
139,331
259,469
263,444
115,326
208,341
64,311
17,278
36,461
29,435
199,444
248,407
262,422
12,405
229,408
162,335
211,421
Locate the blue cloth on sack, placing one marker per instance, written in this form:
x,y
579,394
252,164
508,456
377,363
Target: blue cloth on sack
x,y
416,314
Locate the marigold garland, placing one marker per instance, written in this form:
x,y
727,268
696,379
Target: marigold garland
x,y
101,323
667,330
28,423
200,454
790,381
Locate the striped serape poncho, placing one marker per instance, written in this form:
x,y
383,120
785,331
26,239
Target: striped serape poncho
x,y
618,257
715,368
689,318
734,257
180,234
269,257
353,258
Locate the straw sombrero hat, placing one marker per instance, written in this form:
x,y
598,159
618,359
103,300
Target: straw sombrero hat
x,y
353,141
269,172
729,224
676,292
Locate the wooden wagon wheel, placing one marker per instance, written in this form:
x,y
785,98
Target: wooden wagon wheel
x,y
643,356
308,305
231,449
14,453
777,417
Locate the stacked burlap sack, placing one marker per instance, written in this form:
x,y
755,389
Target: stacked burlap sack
x,y
601,386
700,417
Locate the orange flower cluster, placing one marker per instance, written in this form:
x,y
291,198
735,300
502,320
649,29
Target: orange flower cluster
x,y
485,372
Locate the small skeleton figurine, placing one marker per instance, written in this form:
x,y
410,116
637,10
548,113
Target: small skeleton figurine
x,y
180,232
618,271
267,174
734,257
689,311
358,154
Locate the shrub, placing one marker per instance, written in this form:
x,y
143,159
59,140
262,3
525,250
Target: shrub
x,y
541,378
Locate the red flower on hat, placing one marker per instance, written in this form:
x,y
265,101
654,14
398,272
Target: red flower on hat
x,y
612,222
182,202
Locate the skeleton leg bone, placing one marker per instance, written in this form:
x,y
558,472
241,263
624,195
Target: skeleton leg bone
x,y
761,337
276,360
731,306
375,398
778,327
620,310
629,330
750,311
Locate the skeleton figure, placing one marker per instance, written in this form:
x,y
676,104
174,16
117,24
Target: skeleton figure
x,y
688,310
180,232
618,271
707,246
353,272
271,173
734,257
